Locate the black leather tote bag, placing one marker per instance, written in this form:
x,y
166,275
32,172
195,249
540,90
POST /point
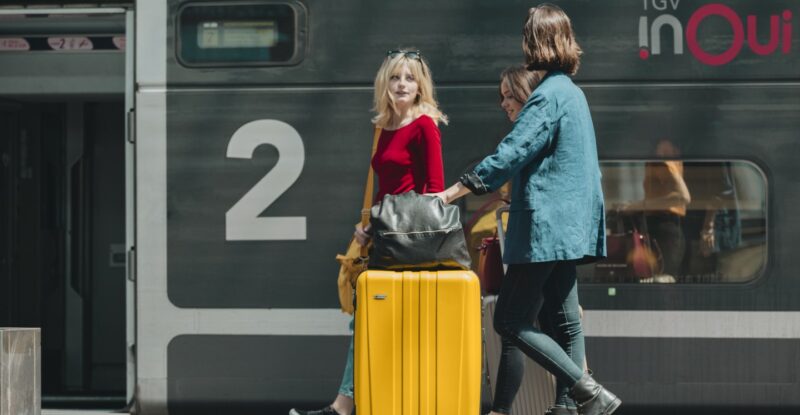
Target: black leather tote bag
x,y
416,232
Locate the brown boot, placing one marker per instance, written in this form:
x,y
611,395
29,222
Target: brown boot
x,y
593,398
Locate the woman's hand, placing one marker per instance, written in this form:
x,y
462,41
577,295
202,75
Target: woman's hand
x,y
451,194
707,241
362,234
440,195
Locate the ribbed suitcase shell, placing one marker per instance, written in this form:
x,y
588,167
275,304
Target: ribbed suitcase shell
x,y
418,343
537,391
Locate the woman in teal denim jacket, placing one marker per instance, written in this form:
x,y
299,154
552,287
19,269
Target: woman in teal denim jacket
x,y
556,208
556,219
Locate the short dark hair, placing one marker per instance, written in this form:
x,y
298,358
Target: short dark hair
x,y
549,42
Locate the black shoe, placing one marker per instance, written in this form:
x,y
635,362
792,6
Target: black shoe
x,y
560,410
324,411
592,398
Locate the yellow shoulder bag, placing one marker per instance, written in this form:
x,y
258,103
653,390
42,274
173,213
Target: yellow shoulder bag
x,y
354,262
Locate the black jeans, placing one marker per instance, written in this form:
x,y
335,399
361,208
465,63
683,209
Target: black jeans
x,y
548,290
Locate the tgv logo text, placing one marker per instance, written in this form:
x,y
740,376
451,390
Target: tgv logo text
x,y
780,32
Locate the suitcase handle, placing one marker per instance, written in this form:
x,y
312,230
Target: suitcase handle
x,y
501,232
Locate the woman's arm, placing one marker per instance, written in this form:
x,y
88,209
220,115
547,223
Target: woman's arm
x,y
431,148
452,193
531,135
707,233
678,194
681,192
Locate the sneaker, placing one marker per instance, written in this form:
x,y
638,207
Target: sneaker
x,y
324,411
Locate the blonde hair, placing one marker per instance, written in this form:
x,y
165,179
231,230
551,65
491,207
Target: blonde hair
x,y
425,102
549,41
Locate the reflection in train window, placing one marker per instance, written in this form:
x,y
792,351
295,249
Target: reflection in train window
x,y
667,221
673,221
213,34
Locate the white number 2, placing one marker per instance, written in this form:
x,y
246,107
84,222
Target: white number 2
x,y
242,221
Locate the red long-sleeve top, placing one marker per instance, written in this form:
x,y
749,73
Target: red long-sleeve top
x,y
409,158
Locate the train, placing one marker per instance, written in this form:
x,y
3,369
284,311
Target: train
x,y
178,176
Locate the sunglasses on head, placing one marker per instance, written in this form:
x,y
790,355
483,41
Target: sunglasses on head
x,y
411,54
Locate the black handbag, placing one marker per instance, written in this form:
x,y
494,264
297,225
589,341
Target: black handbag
x,y
416,232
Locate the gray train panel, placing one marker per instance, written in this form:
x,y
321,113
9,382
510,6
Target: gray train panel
x,y
246,374
472,41
304,128
758,124
206,270
663,373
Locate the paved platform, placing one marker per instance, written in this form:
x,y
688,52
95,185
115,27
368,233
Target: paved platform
x,y
78,412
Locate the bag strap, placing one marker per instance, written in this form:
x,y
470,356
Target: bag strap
x,y
369,188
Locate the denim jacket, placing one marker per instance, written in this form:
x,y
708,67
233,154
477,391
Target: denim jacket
x,y
556,208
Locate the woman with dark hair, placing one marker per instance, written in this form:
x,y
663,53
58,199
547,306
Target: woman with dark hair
x,y
557,217
517,83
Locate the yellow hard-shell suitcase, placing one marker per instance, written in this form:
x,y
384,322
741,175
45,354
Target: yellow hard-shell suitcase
x,y
418,343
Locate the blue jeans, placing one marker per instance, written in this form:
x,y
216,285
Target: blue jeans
x,y
547,290
346,387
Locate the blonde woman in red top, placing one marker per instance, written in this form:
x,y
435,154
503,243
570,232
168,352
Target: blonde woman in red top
x,y
408,157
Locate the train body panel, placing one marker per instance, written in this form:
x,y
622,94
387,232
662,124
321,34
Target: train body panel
x,y
248,169
742,112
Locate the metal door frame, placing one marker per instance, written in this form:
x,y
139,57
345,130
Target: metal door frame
x,y
130,205
130,214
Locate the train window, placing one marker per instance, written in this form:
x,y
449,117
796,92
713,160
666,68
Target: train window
x,y
667,222
241,34
682,222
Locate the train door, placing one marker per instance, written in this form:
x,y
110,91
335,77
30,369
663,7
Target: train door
x,y
64,173
9,127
